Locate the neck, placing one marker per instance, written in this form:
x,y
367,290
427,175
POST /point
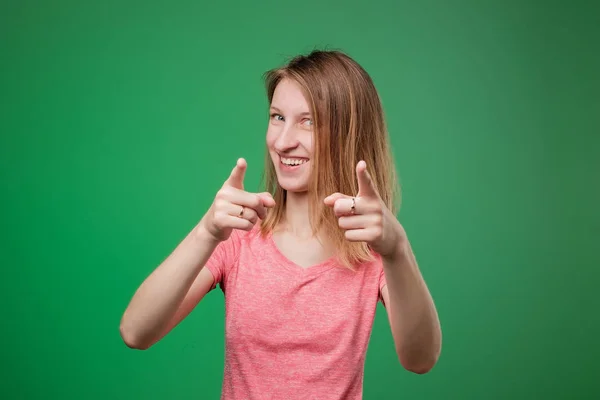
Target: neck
x,y
296,219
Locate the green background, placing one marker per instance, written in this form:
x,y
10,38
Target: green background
x,y
120,120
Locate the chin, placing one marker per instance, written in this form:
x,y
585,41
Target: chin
x,y
293,187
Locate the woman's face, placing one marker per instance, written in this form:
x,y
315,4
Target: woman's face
x,y
290,136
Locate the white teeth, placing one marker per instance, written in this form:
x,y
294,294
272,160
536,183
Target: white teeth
x,y
293,161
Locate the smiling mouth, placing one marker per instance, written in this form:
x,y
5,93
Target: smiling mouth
x,y
293,161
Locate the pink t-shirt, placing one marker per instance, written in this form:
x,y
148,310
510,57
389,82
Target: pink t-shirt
x,y
292,332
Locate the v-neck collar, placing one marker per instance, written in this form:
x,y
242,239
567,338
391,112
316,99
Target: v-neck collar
x,y
296,268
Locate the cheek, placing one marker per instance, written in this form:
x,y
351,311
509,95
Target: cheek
x,y
307,143
271,137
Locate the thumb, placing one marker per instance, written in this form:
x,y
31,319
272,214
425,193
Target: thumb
x,y
332,198
267,199
236,179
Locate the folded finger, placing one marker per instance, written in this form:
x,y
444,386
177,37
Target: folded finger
x,y
346,206
359,235
238,223
355,221
250,200
355,206
241,211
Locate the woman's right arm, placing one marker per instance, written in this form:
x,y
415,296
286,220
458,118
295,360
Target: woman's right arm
x,y
171,291
176,286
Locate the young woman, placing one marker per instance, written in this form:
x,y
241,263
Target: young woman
x,y
303,264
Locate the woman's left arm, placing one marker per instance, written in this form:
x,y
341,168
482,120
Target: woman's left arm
x,y
411,311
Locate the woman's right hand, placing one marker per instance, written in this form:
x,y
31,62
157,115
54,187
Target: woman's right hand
x,y
234,208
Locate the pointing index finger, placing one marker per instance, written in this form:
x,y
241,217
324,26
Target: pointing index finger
x,y
236,179
366,187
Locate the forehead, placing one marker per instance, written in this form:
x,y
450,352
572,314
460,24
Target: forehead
x,y
288,96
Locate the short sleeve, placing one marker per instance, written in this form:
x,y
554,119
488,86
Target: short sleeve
x,y
224,258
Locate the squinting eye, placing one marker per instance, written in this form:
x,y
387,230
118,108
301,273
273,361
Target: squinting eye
x,y
308,122
277,117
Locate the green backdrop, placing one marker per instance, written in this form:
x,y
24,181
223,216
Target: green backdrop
x,y
121,119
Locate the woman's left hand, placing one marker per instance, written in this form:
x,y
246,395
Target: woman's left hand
x,y
365,218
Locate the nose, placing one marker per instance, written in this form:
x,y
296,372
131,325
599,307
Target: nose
x,y
287,138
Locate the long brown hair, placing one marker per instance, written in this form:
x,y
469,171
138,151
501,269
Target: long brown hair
x,y
349,126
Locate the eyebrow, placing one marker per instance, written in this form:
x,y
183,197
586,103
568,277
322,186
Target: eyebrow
x,y
302,114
